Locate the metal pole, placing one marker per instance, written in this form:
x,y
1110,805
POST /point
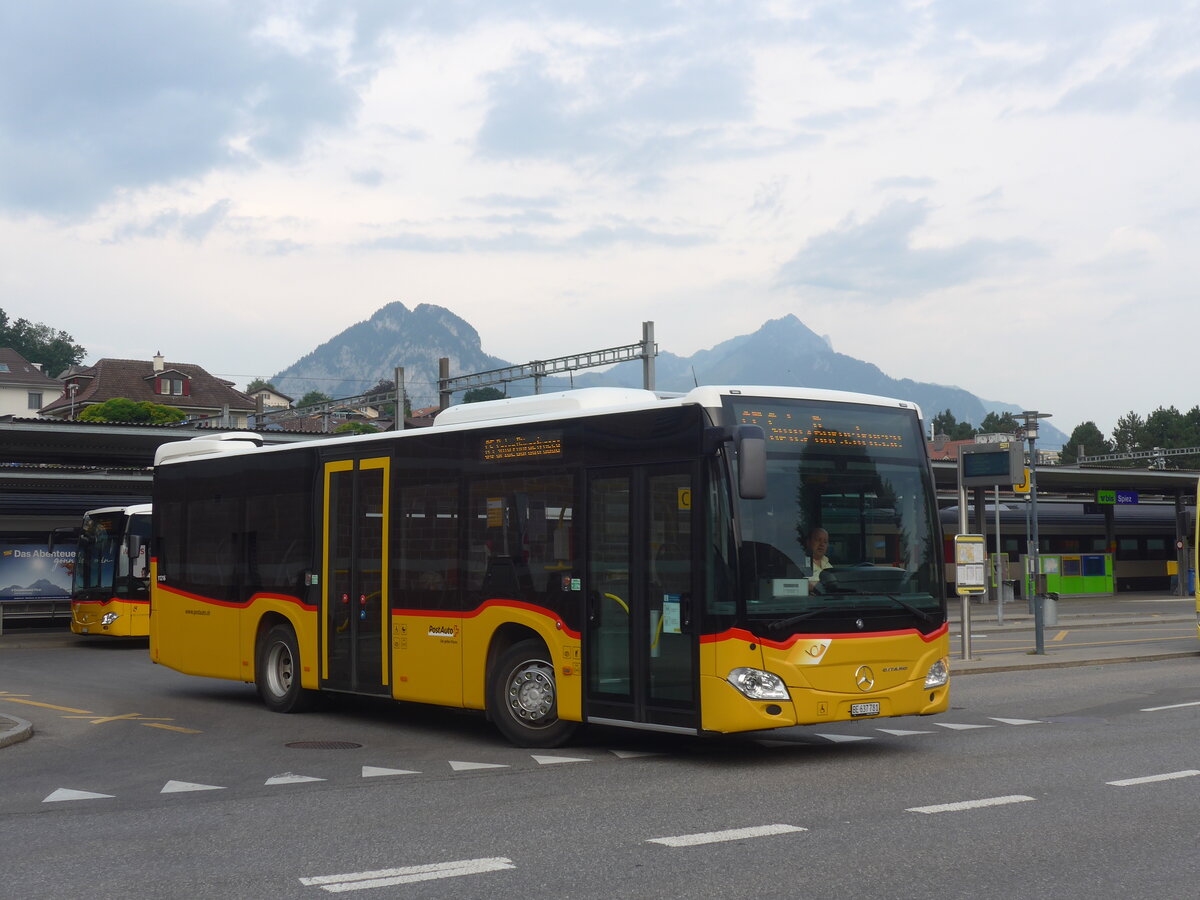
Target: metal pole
x,y
1039,621
443,377
966,600
648,355
398,415
998,570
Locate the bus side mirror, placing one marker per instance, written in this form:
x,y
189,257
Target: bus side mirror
x,y
751,444
134,546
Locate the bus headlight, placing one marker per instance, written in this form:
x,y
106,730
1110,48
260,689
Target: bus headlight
x,y
759,685
939,674
109,618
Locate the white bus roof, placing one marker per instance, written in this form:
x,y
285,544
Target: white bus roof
x,y
134,509
533,408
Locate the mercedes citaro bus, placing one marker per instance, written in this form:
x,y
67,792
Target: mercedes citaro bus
x,y
603,555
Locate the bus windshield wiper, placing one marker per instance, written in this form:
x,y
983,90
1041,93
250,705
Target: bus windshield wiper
x,y
916,611
794,620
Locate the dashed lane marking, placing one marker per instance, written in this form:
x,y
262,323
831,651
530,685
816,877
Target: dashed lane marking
x,y
182,787
357,881
900,732
379,772
845,738
124,717
1017,721
1148,779
472,766
1172,706
178,728
960,726
289,778
554,760
717,837
68,794
969,804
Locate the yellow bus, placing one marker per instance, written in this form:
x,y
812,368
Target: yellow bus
x,y
604,556
110,577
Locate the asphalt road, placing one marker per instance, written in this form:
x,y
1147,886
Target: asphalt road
x,y
1068,782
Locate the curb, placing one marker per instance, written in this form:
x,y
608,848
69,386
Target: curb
x,y
1065,663
14,730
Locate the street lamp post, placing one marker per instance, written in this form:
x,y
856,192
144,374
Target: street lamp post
x,y
1039,618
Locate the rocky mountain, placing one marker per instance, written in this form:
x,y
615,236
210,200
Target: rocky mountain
x,y
368,352
783,351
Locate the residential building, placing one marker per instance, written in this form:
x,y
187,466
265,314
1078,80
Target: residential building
x,y
185,386
24,387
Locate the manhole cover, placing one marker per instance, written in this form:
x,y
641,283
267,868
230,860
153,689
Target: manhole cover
x,y
323,745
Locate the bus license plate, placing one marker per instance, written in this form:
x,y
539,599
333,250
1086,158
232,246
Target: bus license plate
x,y
864,709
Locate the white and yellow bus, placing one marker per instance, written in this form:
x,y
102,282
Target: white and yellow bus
x,y
110,577
604,556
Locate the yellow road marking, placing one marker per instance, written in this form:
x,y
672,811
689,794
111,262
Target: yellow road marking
x,y
1059,636
100,720
172,728
47,706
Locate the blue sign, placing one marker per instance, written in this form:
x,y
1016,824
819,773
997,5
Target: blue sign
x,y
1127,497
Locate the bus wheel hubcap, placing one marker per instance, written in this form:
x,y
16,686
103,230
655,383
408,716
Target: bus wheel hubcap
x,y
531,693
280,669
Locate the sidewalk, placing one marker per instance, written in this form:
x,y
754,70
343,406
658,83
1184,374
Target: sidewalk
x,y
1072,613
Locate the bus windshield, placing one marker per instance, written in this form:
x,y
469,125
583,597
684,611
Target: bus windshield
x,y
846,532
102,565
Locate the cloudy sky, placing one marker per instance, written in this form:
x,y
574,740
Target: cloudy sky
x,y
1002,196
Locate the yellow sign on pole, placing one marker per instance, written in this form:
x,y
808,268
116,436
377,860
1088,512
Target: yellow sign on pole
x,y
1023,487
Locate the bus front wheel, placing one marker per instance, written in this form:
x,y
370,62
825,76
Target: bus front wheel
x,y
523,697
277,671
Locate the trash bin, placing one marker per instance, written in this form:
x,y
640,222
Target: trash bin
x,y
1050,609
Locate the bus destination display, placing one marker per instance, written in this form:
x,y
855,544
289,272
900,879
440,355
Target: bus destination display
x,y
810,425
544,444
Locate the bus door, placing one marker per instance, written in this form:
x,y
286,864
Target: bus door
x,y
640,644
354,620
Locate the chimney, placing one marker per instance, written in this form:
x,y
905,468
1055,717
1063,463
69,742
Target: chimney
x,y
158,361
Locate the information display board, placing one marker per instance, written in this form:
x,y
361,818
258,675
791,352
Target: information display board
x,y
970,564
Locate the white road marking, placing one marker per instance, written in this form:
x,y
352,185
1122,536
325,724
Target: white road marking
x,y
68,794
959,726
717,837
378,771
1016,721
470,766
1172,706
179,787
289,778
632,754
1147,779
357,881
969,804
846,738
900,732
552,760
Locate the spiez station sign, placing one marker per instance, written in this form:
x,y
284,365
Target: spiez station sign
x,y
1119,498
983,465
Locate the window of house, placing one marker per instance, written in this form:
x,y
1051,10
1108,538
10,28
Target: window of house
x,y
35,400
172,386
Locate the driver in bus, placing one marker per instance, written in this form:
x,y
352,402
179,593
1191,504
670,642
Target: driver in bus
x,y
817,545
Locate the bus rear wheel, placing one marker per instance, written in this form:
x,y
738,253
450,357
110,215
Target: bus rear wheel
x,y
523,697
277,671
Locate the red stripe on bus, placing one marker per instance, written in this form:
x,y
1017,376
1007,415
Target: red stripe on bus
x,y
487,604
307,607
742,634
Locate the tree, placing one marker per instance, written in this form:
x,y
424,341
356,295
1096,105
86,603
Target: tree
x,y
1088,436
478,395
55,350
122,409
1128,434
258,384
945,423
313,398
356,428
999,423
